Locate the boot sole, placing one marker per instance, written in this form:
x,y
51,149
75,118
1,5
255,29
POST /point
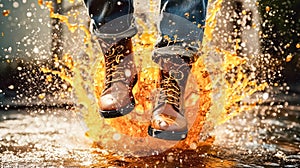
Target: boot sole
x,y
119,112
167,135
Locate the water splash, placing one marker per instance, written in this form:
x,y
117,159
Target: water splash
x,y
216,99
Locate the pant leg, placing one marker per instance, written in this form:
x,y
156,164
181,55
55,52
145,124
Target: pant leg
x,y
112,18
182,22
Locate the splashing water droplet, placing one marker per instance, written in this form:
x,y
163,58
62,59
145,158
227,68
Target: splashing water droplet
x,y
36,50
265,96
11,87
5,12
289,58
28,14
16,4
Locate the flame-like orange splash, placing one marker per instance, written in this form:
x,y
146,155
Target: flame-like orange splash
x,y
123,130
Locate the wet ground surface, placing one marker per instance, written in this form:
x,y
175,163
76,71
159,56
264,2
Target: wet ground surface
x,y
268,136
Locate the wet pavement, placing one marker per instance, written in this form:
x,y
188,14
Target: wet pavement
x,y
267,136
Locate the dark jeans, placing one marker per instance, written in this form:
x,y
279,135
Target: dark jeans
x,y
181,22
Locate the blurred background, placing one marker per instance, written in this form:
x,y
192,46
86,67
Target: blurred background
x,y
32,41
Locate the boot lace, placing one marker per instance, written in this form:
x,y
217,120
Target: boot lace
x,y
114,73
170,92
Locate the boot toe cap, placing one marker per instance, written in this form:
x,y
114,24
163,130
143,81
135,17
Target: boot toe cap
x,y
169,123
107,103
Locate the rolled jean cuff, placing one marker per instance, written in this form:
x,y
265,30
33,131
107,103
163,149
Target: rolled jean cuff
x,y
188,54
132,31
176,30
116,29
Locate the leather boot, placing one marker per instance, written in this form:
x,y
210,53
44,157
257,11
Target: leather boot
x,y
121,76
168,120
